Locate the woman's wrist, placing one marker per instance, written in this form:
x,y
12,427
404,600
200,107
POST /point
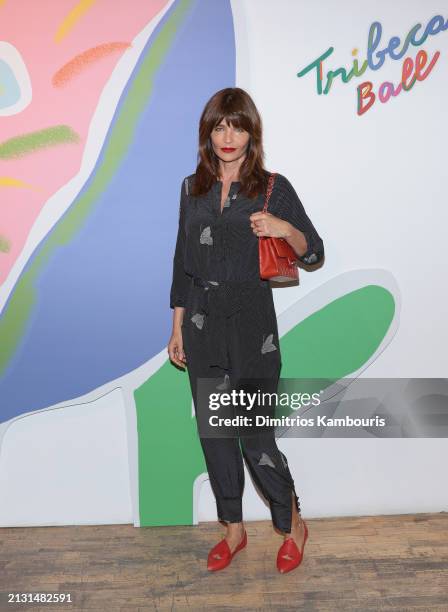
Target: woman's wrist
x,y
288,231
178,317
296,239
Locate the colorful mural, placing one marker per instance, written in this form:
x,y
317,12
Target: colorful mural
x,y
96,106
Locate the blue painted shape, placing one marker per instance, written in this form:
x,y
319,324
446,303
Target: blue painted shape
x,y
103,299
10,89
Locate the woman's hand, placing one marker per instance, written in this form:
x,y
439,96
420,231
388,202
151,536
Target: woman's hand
x,y
266,224
176,349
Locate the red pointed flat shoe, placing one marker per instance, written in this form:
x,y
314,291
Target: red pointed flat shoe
x,y
222,549
290,548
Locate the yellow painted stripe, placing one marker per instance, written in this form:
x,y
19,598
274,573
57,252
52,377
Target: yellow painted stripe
x,y
72,18
9,181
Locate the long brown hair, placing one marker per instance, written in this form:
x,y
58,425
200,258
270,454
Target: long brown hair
x,y
236,107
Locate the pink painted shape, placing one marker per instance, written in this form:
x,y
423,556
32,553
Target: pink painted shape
x,y
31,27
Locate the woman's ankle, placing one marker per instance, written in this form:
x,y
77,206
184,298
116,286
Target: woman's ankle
x,y
297,524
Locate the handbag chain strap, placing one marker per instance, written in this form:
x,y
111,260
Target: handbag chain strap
x,y
269,190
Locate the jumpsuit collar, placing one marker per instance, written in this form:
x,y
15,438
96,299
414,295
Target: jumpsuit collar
x,y
233,191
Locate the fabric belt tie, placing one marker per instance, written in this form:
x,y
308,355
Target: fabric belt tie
x,y
220,301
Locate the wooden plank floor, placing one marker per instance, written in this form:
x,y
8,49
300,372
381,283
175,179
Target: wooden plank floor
x,y
397,562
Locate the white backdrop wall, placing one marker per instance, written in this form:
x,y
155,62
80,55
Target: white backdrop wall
x,y
374,185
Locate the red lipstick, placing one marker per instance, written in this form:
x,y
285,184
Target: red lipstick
x,y
227,149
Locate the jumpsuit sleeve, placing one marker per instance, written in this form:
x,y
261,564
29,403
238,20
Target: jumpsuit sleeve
x,y
180,280
290,208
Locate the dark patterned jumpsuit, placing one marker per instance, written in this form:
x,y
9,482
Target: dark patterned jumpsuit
x,y
229,329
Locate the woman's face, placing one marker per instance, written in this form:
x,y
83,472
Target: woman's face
x,y
229,143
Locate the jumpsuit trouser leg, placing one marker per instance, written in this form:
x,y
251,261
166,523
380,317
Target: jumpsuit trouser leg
x,y
253,351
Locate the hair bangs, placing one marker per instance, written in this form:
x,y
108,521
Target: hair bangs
x,y
235,119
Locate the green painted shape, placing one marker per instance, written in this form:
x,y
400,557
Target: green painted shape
x,y
15,315
335,341
327,346
169,451
339,338
5,244
34,141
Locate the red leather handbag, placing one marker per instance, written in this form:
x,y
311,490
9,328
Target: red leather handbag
x,y
277,257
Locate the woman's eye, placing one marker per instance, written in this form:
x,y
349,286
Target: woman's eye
x,y
219,128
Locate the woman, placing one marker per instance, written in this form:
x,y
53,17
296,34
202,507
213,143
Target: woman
x,y
224,321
